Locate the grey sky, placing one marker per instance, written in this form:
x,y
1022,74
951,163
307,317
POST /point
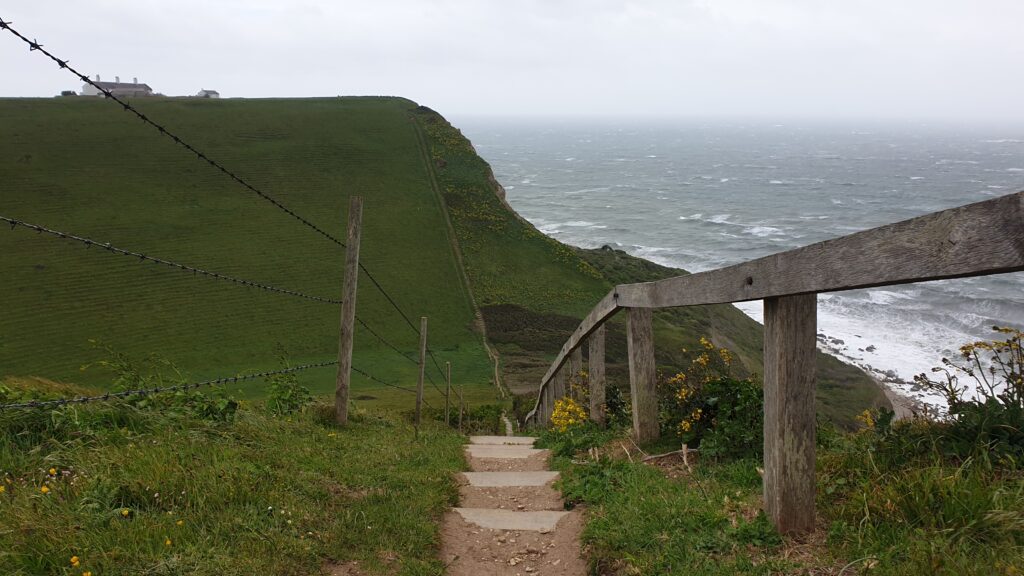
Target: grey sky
x,y
959,60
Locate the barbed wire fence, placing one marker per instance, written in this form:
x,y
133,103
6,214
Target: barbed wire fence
x,y
14,223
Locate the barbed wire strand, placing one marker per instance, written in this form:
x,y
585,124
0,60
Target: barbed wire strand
x,y
143,257
160,389
34,45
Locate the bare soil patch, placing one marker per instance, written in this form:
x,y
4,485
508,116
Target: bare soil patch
x,y
469,550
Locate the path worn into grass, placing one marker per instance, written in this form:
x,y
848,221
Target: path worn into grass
x,y
511,521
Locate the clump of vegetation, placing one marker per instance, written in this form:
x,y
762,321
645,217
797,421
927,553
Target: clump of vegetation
x,y
990,424
706,406
284,393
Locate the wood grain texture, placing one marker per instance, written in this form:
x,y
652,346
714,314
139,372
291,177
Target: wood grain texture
x,y
348,309
790,324
595,374
973,240
642,374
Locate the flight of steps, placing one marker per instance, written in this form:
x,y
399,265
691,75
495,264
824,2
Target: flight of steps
x,y
510,520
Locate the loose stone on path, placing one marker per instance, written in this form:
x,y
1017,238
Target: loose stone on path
x,y
512,522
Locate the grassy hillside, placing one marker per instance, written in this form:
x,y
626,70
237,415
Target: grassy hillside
x,y
436,234
533,290
84,166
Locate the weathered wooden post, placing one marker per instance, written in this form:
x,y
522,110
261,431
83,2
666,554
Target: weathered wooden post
x,y
790,324
642,374
447,391
462,404
423,365
348,309
595,373
558,384
575,367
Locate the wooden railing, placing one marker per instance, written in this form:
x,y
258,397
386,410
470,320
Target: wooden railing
x,y
974,240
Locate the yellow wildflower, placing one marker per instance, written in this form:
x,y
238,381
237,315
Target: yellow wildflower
x,y
167,541
87,573
53,471
74,561
45,489
180,523
3,488
125,512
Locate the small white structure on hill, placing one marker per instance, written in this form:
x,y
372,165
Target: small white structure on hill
x,y
132,90
208,94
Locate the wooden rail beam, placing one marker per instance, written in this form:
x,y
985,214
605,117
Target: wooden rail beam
x,y
973,240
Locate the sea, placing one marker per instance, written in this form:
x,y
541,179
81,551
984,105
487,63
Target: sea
x,y
702,194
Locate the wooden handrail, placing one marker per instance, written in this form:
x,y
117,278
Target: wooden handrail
x,y
973,240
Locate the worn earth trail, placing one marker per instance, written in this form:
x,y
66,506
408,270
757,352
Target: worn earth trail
x,y
510,522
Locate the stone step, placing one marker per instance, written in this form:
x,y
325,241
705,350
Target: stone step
x,y
501,451
503,479
503,440
495,519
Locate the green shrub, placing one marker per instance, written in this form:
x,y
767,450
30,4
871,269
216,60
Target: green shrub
x,y
705,406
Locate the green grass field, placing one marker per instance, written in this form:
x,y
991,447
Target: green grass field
x,y
85,167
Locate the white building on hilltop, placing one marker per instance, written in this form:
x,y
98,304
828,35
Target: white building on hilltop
x,y
132,90
208,94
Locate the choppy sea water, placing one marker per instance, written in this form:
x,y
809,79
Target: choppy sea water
x,y
702,195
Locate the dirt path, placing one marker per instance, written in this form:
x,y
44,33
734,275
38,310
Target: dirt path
x,y
511,521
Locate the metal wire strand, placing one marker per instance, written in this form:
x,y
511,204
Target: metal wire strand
x,y
142,258
159,389
34,45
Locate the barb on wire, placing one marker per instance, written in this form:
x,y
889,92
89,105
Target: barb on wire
x,y
63,64
143,257
159,389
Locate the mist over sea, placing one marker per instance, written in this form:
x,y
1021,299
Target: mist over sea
x,y
702,195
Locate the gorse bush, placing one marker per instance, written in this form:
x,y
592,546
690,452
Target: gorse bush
x,y
706,406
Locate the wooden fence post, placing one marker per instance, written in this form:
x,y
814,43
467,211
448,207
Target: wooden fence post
x,y
462,404
558,384
575,367
789,425
595,373
643,376
348,309
447,391
423,365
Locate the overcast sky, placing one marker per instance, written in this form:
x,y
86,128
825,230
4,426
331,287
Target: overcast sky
x,y
929,59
